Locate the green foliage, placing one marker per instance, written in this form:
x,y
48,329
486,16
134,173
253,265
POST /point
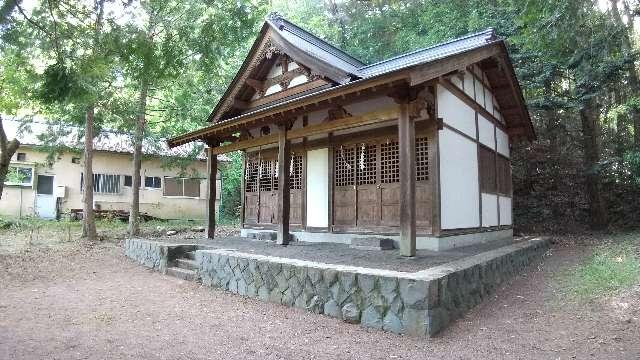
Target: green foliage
x,y
632,162
58,83
611,268
231,201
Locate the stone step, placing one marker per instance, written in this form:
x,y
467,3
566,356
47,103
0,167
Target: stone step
x,y
186,264
183,274
371,243
190,255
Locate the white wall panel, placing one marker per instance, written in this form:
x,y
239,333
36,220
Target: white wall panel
x,y
456,81
479,93
459,190
485,132
489,210
456,113
468,84
488,101
318,188
505,210
502,142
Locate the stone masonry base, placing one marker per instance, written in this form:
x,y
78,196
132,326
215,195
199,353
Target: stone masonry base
x,y
420,303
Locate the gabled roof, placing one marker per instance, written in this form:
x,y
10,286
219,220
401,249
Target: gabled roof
x,y
346,71
439,51
313,45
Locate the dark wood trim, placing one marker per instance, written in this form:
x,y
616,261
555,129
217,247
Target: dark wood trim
x,y
407,145
211,196
479,171
475,230
495,142
370,118
466,136
460,94
286,92
441,67
378,230
330,153
342,95
243,187
284,193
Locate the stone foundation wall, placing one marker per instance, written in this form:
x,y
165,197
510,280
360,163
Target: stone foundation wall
x,y
420,303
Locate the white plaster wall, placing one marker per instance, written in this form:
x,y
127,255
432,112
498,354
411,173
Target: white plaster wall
x,y
456,113
459,188
489,210
468,84
502,142
301,79
318,187
489,101
505,210
485,132
20,201
479,93
456,81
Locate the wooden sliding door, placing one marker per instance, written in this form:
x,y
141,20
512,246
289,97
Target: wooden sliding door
x,y
367,185
261,188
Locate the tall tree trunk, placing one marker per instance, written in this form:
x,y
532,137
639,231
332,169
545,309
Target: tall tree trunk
x,y
134,214
589,119
7,149
634,81
88,219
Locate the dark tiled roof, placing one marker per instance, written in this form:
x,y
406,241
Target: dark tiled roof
x,y
311,44
439,51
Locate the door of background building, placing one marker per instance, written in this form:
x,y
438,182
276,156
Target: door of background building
x,y
45,200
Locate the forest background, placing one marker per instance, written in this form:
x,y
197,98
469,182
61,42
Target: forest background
x,y
156,68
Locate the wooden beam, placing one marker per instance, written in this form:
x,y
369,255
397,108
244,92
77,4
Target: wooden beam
x,y
441,67
309,85
407,144
257,85
212,169
239,104
356,91
471,102
284,194
373,117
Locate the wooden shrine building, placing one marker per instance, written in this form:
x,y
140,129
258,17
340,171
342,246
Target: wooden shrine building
x,y
415,148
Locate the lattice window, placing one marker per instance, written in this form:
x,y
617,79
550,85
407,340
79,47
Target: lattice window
x,y
266,175
422,159
251,176
367,164
295,172
389,162
344,166
274,175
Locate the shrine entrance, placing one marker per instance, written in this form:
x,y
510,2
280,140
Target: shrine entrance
x,y
367,185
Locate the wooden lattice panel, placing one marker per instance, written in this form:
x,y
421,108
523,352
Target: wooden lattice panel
x,y
389,162
422,159
251,175
345,166
295,172
367,164
266,175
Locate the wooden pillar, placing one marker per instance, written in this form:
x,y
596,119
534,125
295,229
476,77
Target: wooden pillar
x,y
284,194
212,165
407,144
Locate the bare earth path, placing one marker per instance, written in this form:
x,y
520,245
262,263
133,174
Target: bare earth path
x,y
93,303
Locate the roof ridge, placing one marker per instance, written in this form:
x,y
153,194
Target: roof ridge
x,y
489,30
277,20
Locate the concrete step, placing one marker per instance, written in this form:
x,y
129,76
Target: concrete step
x,y
186,264
190,255
183,274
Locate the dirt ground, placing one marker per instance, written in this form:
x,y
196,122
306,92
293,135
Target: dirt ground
x,y
90,302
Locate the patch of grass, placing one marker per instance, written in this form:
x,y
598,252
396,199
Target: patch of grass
x,y
609,269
